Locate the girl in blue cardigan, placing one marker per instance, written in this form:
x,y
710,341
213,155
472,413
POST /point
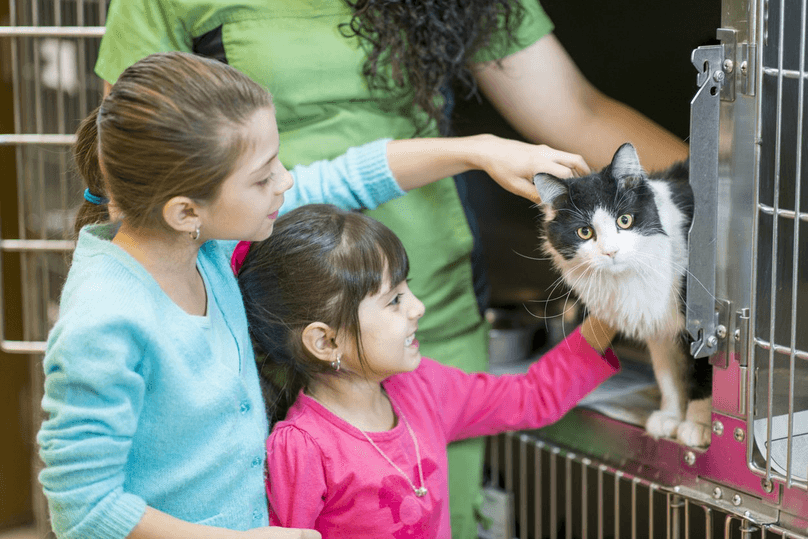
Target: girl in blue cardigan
x,y
156,425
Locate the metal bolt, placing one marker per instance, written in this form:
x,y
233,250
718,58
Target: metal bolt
x,y
718,428
728,65
712,341
690,458
721,331
767,485
739,434
744,68
718,76
737,335
717,493
737,500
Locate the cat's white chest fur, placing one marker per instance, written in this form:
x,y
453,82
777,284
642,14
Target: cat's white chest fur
x,y
630,279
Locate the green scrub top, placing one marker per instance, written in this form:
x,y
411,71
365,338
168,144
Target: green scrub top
x,y
295,49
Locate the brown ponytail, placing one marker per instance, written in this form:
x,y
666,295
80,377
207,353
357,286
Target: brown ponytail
x,y
85,153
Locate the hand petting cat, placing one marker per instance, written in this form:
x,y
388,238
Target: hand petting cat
x,y
511,163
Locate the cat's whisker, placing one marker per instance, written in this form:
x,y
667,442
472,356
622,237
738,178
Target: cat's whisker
x,y
571,270
546,317
587,270
517,253
685,271
561,279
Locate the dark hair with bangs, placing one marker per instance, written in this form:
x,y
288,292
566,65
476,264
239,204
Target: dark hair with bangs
x,y
317,266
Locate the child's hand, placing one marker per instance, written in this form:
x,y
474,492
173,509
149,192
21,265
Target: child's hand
x,y
597,333
512,164
280,533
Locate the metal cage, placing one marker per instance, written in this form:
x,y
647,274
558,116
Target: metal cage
x,y
53,47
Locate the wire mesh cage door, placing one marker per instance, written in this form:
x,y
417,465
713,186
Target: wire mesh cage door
x,y
53,46
778,362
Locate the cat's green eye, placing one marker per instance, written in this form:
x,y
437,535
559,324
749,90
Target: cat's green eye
x,y
585,233
625,221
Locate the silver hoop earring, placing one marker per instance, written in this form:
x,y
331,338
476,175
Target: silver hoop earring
x,y
195,234
336,364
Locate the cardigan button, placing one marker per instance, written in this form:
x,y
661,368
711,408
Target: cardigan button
x,y
245,407
256,515
256,462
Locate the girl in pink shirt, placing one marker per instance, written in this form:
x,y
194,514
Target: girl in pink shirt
x,y
361,419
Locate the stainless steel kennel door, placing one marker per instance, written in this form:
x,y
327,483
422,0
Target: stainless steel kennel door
x,y
778,360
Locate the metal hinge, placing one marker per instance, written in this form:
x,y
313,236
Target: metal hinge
x,y
702,321
722,70
738,65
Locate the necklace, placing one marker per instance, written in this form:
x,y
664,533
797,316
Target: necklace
x,y
419,491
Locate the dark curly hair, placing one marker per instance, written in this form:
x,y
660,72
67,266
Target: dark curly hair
x,y
419,48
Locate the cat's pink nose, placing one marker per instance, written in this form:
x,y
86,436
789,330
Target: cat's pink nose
x,y
611,253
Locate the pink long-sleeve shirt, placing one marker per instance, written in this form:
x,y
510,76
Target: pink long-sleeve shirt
x,y
324,474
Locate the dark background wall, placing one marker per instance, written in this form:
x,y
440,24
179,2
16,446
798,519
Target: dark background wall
x,y
636,51
16,441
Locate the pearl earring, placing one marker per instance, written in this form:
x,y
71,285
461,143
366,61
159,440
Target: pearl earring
x,y
336,364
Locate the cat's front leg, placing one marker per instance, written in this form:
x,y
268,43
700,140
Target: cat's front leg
x,y
695,431
669,363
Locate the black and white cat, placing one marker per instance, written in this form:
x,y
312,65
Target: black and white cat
x,y
619,239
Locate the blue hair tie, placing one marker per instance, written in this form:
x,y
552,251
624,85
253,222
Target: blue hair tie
x,y
94,199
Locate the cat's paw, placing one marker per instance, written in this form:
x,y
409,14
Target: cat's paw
x,y
662,425
694,434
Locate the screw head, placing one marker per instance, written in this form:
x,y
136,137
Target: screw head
x,y
737,500
737,335
744,68
728,65
718,428
739,434
767,485
721,331
690,458
718,76
712,340
717,493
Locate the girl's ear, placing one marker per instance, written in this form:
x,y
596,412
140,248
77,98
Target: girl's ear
x,y
319,340
182,214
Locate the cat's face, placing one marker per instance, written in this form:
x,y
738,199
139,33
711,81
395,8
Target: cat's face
x,y
606,221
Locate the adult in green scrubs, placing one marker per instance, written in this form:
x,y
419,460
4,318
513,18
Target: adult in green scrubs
x,y
324,105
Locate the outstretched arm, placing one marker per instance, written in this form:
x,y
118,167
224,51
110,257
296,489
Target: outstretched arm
x,y
597,333
544,96
512,164
368,175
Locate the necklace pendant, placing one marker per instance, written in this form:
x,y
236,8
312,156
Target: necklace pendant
x,y
420,492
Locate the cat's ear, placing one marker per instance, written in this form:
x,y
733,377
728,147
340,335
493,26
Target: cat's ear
x,y
549,187
626,163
